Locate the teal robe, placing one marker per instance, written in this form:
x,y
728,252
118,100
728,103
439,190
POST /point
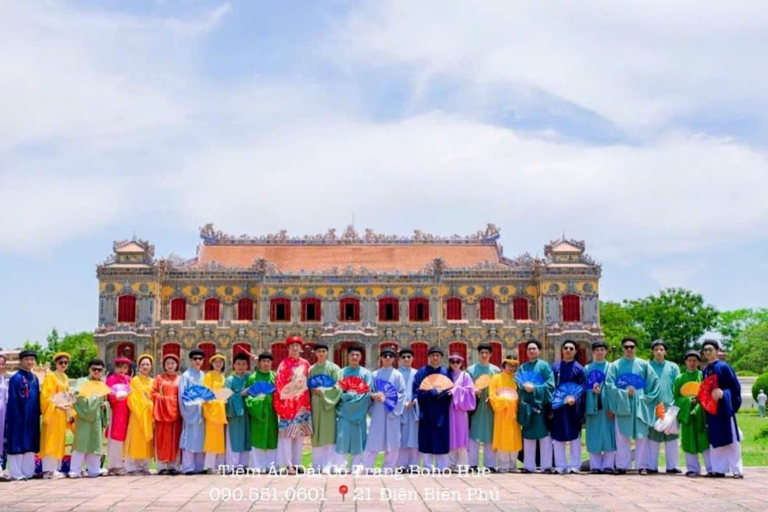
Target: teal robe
x,y
481,419
637,414
237,415
90,422
601,433
263,418
667,372
692,418
324,405
351,413
533,407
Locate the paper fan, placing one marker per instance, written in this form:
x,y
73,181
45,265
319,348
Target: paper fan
x,y
507,393
483,381
223,394
390,393
595,377
436,381
93,387
660,411
320,381
63,399
626,380
563,391
705,394
524,377
354,384
690,389
197,393
120,390
261,388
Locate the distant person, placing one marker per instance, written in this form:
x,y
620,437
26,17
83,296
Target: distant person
x,y
761,399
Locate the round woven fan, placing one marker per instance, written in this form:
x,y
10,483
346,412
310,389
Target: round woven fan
x,y
437,382
690,389
94,387
705,394
507,393
483,382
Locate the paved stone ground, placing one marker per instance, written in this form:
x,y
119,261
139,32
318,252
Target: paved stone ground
x,y
544,493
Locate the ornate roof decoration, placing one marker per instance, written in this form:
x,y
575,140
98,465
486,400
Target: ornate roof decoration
x,y
567,251
133,253
133,245
211,236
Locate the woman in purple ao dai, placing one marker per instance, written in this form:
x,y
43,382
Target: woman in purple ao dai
x,y
463,394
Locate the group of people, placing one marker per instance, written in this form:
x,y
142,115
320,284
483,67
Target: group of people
x,y
416,422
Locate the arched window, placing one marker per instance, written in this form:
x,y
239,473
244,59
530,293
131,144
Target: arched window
x,y
349,310
178,309
496,353
209,349
126,309
420,354
487,309
310,309
242,348
245,309
279,352
211,309
571,308
453,308
418,310
520,308
393,346
168,349
459,347
389,310
280,310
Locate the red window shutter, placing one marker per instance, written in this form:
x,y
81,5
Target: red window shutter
x,y
212,309
279,352
168,349
394,304
178,309
344,304
209,349
520,308
242,348
571,308
412,307
420,354
453,309
126,309
459,347
522,353
487,309
496,353
413,310
245,309
582,355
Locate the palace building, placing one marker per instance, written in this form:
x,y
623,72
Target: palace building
x,y
250,293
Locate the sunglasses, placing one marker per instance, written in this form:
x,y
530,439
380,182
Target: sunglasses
x,y
406,357
97,370
197,358
569,348
388,356
708,349
629,347
454,362
63,363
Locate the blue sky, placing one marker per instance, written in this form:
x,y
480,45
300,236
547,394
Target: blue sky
x,y
640,127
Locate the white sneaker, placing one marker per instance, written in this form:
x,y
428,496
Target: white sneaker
x,y
72,474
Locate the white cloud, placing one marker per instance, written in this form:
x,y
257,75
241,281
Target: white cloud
x,y
677,275
637,63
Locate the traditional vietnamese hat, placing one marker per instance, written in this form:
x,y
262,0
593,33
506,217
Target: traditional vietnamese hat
x,y
217,356
122,360
59,355
146,356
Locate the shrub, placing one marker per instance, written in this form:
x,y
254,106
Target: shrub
x,y
760,383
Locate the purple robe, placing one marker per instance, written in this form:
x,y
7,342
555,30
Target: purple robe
x,y
463,401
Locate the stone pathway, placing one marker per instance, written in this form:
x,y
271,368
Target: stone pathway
x,y
522,493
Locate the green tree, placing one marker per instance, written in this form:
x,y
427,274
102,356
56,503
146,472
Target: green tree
x,y
81,346
617,322
730,324
760,383
749,351
678,316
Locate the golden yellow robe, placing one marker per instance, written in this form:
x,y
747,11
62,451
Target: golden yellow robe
x,y
141,422
215,414
507,434
54,428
